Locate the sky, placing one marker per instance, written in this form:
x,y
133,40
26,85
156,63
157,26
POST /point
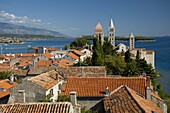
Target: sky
x,y
79,17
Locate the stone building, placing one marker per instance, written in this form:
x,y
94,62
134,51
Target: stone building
x,y
37,88
99,32
111,33
131,41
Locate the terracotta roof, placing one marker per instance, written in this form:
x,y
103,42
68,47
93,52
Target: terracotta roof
x,y
20,72
39,70
74,56
156,95
43,107
52,49
4,69
149,51
140,49
46,80
22,64
93,86
77,52
65,63
2,56
27,55
43,63
5,85
48,55
126,100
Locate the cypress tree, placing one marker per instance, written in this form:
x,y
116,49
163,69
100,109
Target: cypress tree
x,y
127,56
137,56
97,57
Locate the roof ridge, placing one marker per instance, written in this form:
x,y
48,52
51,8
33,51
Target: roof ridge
x,y
126,87
109,77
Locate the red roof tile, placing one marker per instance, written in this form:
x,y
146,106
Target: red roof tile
x,y
48,55
156,95
46,80
59,107
124,99
42,63
74,56
27,55
5,85
65,63
77,52
93,86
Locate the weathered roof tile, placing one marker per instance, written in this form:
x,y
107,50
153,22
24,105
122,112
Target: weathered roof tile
x,y
92,86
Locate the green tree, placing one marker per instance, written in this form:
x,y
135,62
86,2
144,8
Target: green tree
x,y
131,69
107,48
114,65
5,75
63,98
127,56
66,47
97,57
79,43
137,55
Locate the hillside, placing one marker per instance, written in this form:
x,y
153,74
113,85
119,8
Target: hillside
x,y
6,28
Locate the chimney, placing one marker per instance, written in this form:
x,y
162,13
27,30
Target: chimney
x,y
57,78
11,79
148,93
33,63
73,98
148,82
107,91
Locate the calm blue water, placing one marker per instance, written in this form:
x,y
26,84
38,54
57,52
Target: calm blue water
x,y
161,47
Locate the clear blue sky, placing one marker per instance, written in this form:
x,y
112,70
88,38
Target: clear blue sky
x,y
79,17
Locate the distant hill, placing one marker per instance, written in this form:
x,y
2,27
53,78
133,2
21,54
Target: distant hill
x,y
7,28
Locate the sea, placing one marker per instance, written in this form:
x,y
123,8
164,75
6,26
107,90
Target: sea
x,y
161,46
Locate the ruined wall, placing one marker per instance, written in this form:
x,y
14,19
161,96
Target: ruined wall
x,y
83,71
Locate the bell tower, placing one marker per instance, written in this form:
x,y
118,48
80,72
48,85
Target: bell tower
x,y
99,32
131,41
111,33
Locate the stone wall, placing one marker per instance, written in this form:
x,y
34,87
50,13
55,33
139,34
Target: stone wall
x,y
92,103
33,93
83,71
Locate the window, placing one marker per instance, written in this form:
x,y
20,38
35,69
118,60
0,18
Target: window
x,y
51,91
59,87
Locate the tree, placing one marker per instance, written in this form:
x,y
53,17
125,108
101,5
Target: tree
x,y
131,69
107,48
78,43
127,56
137,55
97,57
114,65
66,47
5,75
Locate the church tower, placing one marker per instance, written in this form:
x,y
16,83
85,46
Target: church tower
x,y
99,31
131,41
111,33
